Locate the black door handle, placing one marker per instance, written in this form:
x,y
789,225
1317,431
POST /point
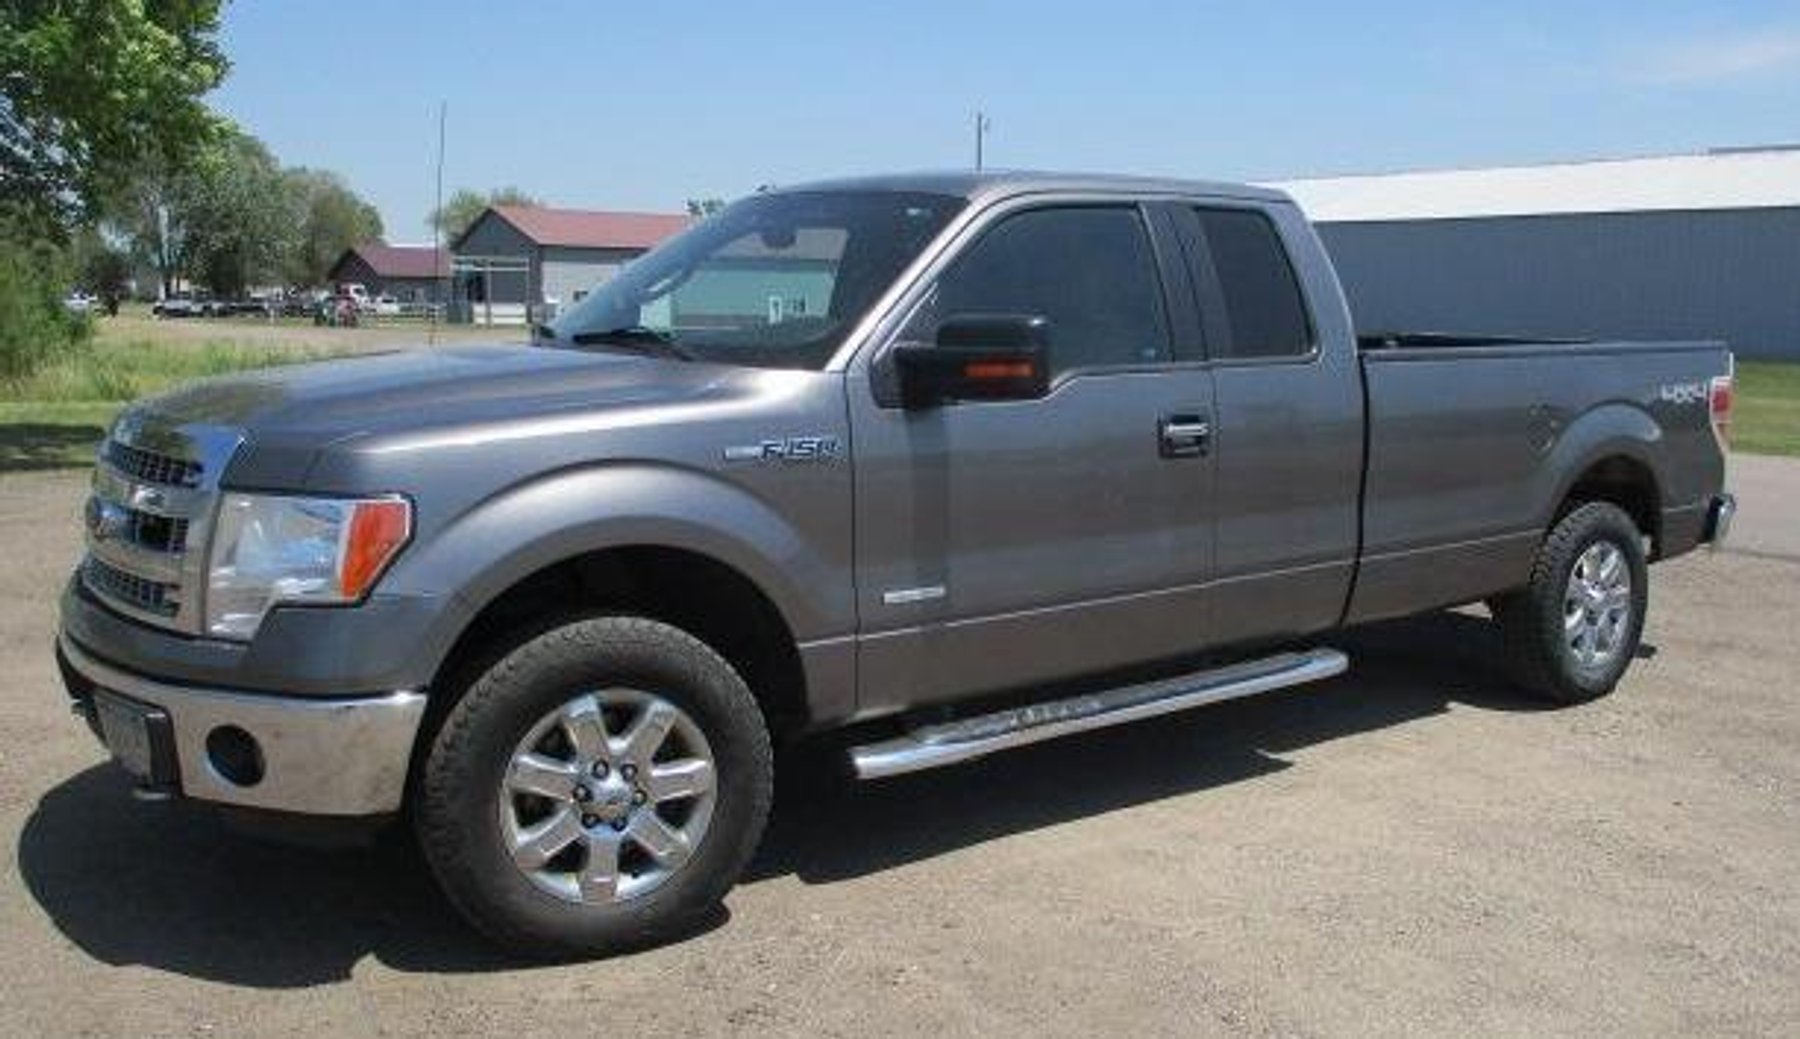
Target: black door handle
x,y
1186,435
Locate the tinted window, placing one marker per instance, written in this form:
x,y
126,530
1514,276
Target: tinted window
x,y
775,280
1088,270
1263,307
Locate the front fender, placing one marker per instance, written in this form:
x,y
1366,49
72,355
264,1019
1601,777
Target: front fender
x,y
557,516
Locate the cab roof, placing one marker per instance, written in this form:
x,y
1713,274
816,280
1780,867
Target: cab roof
x,y
988,185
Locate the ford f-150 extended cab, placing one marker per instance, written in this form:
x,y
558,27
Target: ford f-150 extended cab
x,y
941,463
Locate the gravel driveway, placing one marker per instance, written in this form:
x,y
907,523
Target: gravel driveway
x,y
1411,849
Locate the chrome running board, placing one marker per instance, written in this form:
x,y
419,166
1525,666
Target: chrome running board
x,y
964,739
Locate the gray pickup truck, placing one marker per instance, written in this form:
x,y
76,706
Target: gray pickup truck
x,y
940,464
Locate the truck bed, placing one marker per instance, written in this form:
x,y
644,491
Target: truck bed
x,y
1473,440
1366,341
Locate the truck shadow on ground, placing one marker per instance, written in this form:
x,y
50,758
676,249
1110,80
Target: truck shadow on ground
x,y
34,446
172,887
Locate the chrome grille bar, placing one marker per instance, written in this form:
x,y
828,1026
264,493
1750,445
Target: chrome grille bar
x,y
151,467
136,594
154,489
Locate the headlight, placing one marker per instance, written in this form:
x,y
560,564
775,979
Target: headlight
x,y
268,550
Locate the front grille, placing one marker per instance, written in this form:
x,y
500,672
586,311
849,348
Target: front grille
x,y
154,491
136,592
166,534
150,467
159,533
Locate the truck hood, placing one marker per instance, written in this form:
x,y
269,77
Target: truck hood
x,y
287,415
423,389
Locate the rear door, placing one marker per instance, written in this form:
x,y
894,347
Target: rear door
x,y
1288,415
1006,544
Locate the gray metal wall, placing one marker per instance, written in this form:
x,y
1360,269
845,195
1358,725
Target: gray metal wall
x,y
1716,274
492,236
567,271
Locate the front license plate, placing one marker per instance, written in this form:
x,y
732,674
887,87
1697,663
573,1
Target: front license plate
x,y
125,726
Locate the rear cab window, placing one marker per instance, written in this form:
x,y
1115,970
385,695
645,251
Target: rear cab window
x,y
1250,298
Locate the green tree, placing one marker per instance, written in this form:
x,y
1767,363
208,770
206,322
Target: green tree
x,y
241,220
333,219
90,91
229,220
34,327
465,205
150,215
699,208
100,265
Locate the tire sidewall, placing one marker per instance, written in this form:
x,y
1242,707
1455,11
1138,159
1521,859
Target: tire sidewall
x,y
460,812
1593,524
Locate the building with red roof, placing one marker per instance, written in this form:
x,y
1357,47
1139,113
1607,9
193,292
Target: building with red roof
x,y
520,261
409,273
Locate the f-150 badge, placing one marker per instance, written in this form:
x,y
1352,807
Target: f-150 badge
x,y
788,449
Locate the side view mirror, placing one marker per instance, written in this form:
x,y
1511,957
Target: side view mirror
x,y
977,357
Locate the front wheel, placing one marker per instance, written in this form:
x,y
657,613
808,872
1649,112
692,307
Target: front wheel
x,y
599,788
1574,629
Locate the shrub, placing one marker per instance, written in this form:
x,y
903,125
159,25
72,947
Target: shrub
x,y
34,326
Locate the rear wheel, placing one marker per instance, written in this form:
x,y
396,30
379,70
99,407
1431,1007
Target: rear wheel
x,y
1573,630
601,787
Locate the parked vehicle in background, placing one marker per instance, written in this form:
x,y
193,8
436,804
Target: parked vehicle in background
x,y
79,303
356,293
941,464
340,310
385,306
304,303
179,305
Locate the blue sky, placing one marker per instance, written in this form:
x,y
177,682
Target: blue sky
x,y
609,105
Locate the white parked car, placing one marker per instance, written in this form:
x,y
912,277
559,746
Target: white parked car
x,y
385,305
79,303
176,306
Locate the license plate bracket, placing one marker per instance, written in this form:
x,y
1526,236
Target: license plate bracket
x,y
139,736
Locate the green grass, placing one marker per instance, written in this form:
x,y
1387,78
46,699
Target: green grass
x,y
1765,420
122,371
54,418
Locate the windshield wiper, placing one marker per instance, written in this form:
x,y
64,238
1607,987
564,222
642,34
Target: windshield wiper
x,y
641,338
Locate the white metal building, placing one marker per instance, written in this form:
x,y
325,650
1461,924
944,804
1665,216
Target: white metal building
x,y
1668,247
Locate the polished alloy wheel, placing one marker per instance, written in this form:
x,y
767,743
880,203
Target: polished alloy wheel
x,y
608,796
1597,605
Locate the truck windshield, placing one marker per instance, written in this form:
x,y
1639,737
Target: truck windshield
x,y
775,280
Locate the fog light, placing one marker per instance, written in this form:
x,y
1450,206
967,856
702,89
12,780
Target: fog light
x,y
235,755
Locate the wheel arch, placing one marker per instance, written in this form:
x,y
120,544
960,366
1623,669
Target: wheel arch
x,y
710,599
1610,454
678,545
1621,480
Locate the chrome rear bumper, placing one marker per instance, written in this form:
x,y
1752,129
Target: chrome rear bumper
x,y
1718,520
317,756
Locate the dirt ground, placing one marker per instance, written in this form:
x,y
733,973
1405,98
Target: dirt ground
x,y
1411,849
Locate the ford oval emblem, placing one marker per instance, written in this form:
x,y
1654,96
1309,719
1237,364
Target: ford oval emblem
x,y
105,520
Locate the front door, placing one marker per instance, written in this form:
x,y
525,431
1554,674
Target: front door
x,y
1006,544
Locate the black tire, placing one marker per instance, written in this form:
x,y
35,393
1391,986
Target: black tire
x,y
458,804
1539,654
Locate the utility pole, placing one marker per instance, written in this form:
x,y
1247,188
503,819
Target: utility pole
x,y
982,126
438,305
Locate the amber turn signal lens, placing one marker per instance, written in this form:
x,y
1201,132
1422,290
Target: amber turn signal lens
x,y
998,370
378,530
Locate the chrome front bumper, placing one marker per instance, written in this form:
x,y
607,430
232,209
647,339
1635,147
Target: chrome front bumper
x,y
345,757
